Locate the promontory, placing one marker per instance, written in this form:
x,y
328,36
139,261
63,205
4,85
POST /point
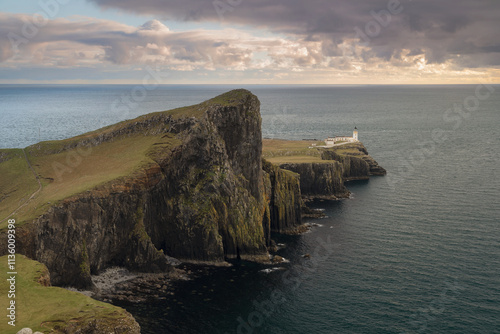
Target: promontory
x,y
196,183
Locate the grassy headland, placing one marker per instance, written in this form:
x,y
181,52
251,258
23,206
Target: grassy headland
x,y
279,151
75,165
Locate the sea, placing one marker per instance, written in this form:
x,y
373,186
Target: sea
x,y
416,251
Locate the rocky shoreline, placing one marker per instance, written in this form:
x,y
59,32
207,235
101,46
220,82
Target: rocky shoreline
x,y
120,286
141,288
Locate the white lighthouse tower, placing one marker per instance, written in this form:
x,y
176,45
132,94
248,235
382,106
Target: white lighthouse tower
x,y
355,134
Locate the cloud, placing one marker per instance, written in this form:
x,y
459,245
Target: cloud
x,y
91,41
83,41
442,29
295,40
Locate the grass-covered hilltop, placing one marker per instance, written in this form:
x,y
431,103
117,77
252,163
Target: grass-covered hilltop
x,y
196,183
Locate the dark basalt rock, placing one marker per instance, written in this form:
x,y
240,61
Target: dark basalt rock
x,y
327,180
358,164
284,197
205,199
320,180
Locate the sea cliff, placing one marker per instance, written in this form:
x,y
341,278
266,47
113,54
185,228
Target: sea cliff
x,y
323,171
195,183
283,194
200,193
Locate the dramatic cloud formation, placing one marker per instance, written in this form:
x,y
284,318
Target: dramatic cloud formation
x,y
311,40
460,30
87,41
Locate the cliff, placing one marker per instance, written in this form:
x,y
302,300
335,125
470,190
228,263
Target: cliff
x,y
357,163
319,180
209,204
283,194
187,183
323,171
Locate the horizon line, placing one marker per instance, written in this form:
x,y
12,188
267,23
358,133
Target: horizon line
x,y
252,84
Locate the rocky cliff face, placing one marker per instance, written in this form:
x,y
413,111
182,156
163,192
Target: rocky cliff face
x,y
353,168
357,163
209,205
320,180
206,198
326,180
91,232
283,193
204,194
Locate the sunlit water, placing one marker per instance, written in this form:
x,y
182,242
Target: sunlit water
x,y
417,251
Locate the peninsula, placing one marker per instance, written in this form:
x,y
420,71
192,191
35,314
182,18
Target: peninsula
x,y
196,183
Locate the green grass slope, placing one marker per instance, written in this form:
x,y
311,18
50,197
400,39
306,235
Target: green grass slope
x,y
71,166
278,151
70,172
50,309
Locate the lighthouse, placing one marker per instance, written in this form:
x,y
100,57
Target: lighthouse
x,y
332,141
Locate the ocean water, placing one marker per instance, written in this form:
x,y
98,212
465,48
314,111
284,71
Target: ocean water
x,y
416,251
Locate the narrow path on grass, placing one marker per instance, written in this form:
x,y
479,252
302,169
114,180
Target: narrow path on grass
x,y
33,195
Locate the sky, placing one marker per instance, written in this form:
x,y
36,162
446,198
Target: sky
x,y
250,41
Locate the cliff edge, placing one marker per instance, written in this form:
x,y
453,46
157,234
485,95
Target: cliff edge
x,y
323,171
187,183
